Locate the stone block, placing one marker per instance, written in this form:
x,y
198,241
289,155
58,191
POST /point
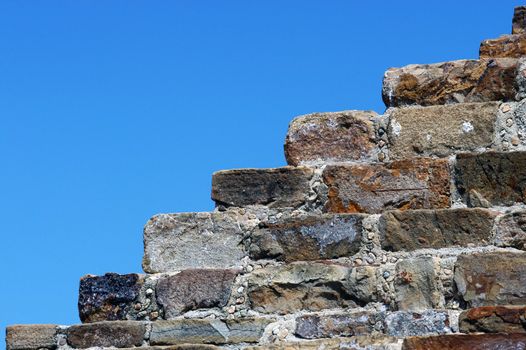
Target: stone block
x,y
451,82
348,324
194,289
207,331
519,20
441,130
330,137
340,343
406,324
417,229
494,319
31,337
275,188
511,230
491,278
307,237
420,183
118,334
491,178
511,46
466,342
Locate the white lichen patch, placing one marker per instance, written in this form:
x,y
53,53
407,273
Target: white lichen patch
x,y
467,127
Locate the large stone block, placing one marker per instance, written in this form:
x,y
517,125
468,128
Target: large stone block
x,y
211,331
119,334
31,337
416,285
494,319
466,342
441,130
373,188
511,230
519,20
406,323
491,278
451,82
418,229
307,237
306,286
330,137
512,46
491,178
109,297
339,343
348,324
174,242
277,187
194,289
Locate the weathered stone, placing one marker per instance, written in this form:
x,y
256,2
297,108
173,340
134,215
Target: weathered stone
x,y
178,347
353,343
302,286
31,337
416,285
347,324
513,46
109,297
277,187
467,342
174,242
308,237
491,178
373,188
494,319
519,20
119,334
441,130
194,289
337,137
492,278
511,230
406,324
212,331
418,229
451,82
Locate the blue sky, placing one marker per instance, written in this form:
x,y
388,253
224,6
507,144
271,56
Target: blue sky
x,y
113,111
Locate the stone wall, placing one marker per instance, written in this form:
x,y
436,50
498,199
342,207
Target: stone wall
x,y
405,230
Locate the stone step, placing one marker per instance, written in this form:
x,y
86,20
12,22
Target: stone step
x,y
484,80
233,238
494,319
500,341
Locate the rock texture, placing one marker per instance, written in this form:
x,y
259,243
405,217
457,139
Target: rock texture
x,y
119,334
519,20
334,137
511,46
494,319
467,342
511,230
373,188
31,337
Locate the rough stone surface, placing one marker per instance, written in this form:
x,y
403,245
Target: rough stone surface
x,y
174,242
418,229
416,285
302,286
491,278
109,297
278,187
194,289
353,343
451,82
31,337
467,342
119,334
519,20
337,137
308,237
350,324
373,188
406,324
491,178
441,130
511,230
210,331
494,319
512,46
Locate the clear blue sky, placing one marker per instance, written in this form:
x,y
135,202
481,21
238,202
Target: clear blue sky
x,y
113,111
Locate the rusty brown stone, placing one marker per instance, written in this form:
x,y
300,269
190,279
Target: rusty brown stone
x,y
466,342
420,183
119,334
337,136
451,82
491,278
511,46
494,319
519,20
